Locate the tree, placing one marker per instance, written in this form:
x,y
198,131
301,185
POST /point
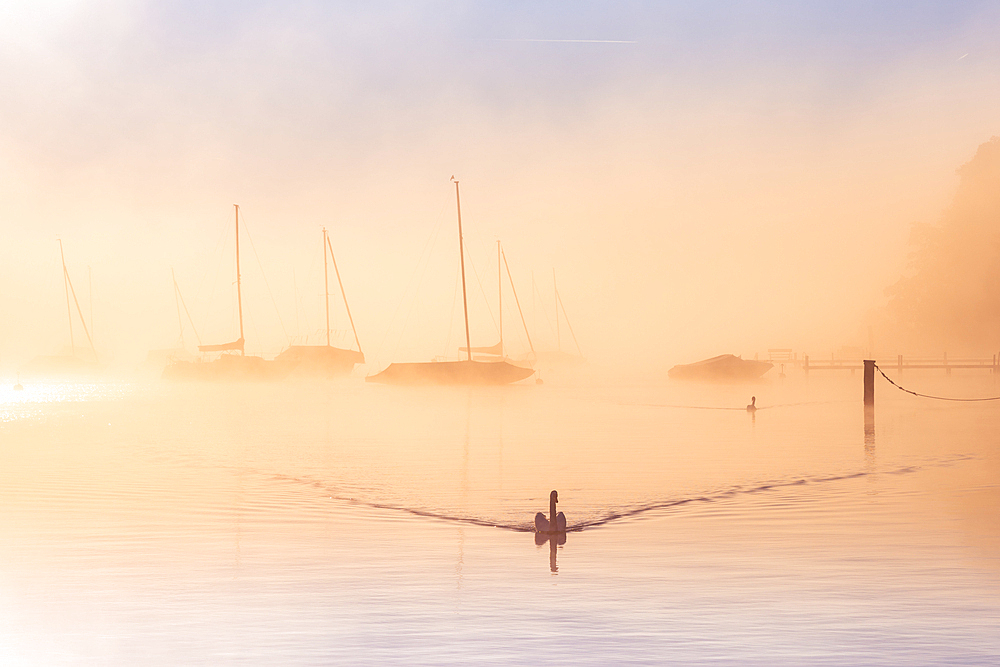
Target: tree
x,y
950,296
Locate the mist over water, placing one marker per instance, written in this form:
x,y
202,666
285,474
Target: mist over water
x,y
643,186
228,523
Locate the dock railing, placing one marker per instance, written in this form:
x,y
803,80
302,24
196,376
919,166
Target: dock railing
x,y
909,363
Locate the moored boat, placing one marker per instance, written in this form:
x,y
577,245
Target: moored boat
x,y
549,360
320,360
73,363
325,360
464,372
723,368
233,364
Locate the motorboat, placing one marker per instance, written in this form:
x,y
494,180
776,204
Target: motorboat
x,y
723,368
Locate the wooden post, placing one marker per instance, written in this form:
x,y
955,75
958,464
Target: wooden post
x,y
870,382
869,407
947,369
805,364
899,364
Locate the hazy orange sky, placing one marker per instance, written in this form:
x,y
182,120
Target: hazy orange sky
x,y
709,178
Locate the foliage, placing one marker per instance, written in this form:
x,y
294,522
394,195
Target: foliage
x,y
950,296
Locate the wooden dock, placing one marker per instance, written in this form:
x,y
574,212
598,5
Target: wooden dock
x,y
899,364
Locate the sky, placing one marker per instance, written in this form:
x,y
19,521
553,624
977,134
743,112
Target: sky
x,y
702,177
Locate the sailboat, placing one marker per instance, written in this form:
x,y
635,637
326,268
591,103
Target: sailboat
x,y
161,357
325,360
559,357
498,352
464,372
228,366
73,363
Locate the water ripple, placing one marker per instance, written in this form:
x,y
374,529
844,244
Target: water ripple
x,y
619,514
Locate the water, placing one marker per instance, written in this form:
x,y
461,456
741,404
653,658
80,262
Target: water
x,y
346,523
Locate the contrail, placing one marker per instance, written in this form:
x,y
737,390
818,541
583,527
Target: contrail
x,y
566,41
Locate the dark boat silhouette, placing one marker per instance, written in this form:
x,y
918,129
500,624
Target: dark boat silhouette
x,y
325,360
723,368
466,372
233,364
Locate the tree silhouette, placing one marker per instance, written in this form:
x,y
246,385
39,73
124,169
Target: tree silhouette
x,y
950,296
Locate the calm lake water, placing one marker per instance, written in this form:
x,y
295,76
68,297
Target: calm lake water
x,y
349,523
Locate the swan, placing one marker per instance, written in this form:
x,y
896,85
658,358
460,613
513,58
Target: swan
x,y
556,523
753,404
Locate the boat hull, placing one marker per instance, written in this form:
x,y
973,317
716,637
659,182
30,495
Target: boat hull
x,y
319,360
724,368
452,373
227,368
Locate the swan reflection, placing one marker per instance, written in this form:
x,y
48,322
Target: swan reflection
x,y
555,541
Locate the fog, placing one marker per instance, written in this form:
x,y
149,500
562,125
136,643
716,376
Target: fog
x,y
703,178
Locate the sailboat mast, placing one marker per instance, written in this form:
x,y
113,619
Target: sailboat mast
x,y
343,293
69,311
239,287
461,255
555,290
326,288
76,302
518,301
500,296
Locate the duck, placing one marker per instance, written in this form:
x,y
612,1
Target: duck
x,y
753,404
556,523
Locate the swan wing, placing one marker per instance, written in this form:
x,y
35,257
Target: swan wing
x,y
541,523
560,523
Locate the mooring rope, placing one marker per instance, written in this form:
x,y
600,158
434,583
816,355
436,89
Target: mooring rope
x,y
938,398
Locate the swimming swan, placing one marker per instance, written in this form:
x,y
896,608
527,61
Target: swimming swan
x,y
556,523
753,404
